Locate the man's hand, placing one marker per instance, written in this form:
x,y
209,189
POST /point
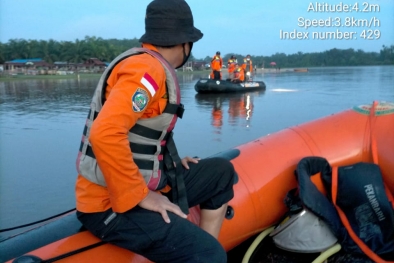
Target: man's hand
x,y
161,204
188,159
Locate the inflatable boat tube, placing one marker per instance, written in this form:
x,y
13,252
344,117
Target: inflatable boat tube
x,y
265,168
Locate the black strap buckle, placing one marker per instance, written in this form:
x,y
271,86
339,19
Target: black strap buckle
x,y
180,110
174,171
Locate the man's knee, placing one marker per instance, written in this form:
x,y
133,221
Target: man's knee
x,y
212,251
218,254
224,167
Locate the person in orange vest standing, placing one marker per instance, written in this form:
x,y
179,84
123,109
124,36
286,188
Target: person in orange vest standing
x,y
231,66
248,67
239,75
216,65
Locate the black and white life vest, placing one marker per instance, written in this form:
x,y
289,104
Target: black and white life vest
x,y
150,139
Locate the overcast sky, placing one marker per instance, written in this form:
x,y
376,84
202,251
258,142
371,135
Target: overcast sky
x,y
242,27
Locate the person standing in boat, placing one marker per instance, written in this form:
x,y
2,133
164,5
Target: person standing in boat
x,y
133,190
231,66
239,75
247,66
216,66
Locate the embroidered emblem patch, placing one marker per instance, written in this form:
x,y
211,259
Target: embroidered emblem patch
x,y
140,100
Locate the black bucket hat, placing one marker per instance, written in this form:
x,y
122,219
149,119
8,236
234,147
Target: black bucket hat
x,y
169,23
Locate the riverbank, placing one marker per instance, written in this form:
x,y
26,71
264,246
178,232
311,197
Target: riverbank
x,y
28,77
7,77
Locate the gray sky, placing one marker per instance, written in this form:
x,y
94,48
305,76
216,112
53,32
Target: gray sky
x,y
242,27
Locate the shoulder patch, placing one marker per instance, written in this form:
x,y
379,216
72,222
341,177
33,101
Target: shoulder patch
x,y
139,100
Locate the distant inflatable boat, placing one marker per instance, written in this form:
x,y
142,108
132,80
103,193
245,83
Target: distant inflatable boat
x,y
224,86
265,169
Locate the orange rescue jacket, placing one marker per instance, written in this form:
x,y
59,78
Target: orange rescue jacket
x,y
231,65
239,74
109,132
247,65
216,63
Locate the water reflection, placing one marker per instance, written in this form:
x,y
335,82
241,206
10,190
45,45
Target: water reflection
x,y
238,106
191,77
41,122
38,96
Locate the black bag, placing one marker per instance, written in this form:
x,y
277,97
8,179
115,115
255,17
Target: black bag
x,y
357,207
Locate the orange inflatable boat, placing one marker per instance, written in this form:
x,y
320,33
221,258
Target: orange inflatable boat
x,y
265,168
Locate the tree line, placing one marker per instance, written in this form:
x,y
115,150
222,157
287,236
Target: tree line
x,y
107,49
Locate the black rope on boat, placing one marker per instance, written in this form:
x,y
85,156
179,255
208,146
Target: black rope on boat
x,y
33,223
71,253
35,259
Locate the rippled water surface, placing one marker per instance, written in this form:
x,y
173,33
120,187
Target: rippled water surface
x,y
41,123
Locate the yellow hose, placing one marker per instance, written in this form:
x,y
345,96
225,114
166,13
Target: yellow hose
x,y
320,259
328,253
255,243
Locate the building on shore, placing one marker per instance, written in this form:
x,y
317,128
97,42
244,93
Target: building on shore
x,y
38,66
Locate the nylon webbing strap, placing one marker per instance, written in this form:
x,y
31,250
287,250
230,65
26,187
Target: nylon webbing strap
x,y
176,177
175,109
372,120
364,248
146,132
71,253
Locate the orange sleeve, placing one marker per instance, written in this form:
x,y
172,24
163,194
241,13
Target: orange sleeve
x,y
243,66
241,75
109,132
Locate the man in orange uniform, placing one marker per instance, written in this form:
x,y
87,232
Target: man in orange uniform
x,y
231,66
248,67
216,65
239,75
133,190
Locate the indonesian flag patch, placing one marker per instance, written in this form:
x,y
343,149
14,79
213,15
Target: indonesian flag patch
x,y
140,100
150,84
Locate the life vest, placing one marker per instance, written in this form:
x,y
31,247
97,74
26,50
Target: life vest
x,y
239,74
150,139
231,65
216,63
358,208
247,65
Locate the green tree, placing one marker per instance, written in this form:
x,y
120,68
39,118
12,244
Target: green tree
x,y
107,49
75,52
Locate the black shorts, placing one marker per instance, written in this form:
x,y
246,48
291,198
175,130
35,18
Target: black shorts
x,y
216,75
208,184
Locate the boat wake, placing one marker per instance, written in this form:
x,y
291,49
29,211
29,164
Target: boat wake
x,y
283,90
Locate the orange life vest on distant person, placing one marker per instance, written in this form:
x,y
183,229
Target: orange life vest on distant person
x,y
231,65
247,65
239,74
216,63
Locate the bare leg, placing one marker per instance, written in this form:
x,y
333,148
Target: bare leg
x,y
211,220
